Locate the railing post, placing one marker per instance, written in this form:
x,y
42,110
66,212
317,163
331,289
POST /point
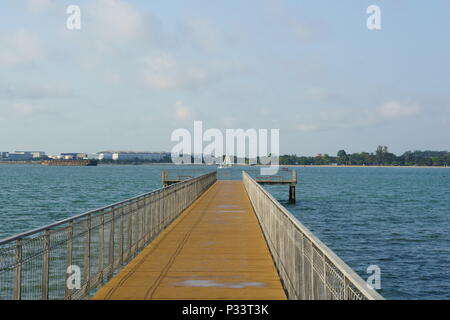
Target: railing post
x,y
101,248
345,288
303,268
163,210
150,218
136,227
17,294
160,206
121,236
325,285
45,265
148,214
111,245
130,231
87,257
312,272
142,225
67,293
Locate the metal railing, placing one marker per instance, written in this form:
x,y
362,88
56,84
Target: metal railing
x,y
35,264
308,269
284,175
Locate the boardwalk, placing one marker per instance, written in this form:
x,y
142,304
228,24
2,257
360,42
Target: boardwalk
x,y
214,250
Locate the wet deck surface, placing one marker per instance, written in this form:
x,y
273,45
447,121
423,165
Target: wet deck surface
x,y
214,250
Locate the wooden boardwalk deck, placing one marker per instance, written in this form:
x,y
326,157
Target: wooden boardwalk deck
x,y
214,250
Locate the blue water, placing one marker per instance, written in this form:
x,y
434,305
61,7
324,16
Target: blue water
x,y
396,218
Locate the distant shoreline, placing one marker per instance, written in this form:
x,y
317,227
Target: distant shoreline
x,y
204,165
358,166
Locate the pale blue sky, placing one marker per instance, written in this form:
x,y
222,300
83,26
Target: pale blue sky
x,y
137,70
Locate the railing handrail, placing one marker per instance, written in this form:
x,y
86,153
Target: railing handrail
x,y
348,272
90,212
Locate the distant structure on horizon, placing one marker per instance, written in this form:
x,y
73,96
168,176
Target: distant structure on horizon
x,y
74,156
21,155
132,155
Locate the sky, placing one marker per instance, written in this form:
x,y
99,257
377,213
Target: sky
x,y
138,70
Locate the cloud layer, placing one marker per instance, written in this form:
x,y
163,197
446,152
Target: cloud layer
x,y
354,118
148,67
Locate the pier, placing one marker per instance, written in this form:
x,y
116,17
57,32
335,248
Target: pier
x,y
200,238
284,177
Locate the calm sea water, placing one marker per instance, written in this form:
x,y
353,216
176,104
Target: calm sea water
x,y
396,218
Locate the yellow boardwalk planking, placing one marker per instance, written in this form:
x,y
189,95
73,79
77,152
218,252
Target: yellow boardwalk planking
x,y
214,250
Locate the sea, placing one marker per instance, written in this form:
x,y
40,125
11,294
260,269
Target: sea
x,y
395,218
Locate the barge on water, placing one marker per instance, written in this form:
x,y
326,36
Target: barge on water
x,y
83,163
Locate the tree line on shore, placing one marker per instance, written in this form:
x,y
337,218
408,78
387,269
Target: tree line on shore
x,y
380,157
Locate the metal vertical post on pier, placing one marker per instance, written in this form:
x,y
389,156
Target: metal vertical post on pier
x,y
292,186
17,295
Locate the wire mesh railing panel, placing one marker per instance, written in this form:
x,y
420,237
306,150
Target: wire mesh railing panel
x,y
8,270
57,268
283,175
32,267
72,258
307,268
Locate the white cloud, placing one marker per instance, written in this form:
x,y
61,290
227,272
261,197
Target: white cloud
x,y
281,14
21,47
353,118
394,109
307,127
39,6
201,32
117,20
317,94
182,111
163,71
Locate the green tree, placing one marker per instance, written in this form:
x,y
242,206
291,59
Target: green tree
x,y
380,154
342,157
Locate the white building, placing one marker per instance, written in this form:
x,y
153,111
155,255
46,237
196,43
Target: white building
x,y
20,156
33,154
132,156
105,155
74,156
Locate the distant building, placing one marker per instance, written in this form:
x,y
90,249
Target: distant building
x,y
3,156
105,155
132,156
92,156
34,154
20,156
73,156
